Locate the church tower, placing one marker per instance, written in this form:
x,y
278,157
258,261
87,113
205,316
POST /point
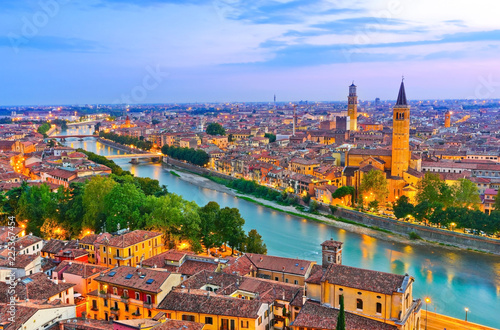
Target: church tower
x,y
447,119
400,134
352,108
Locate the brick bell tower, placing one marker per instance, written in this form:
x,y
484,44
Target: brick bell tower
x,y
332,252
352,108
400,135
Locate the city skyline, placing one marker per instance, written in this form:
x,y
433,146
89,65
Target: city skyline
x,y
118,51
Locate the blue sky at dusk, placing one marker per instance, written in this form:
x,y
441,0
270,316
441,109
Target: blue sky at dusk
x,y
159,51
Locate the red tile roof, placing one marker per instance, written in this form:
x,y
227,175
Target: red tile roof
x,y
138,278
201,301
313,315
363,279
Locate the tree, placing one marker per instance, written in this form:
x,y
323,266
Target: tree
x,y
466,194
341,316
422,211
36,204
215,129
343,192
210,235
271,137
52,229
94,194
374,186
231,227
373,205
402,207
432,189
254,243
122,205
155,122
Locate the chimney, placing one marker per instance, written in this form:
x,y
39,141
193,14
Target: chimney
x,y
304,299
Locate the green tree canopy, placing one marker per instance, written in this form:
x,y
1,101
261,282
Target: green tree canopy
x,y
271,137
466,194
374,186
215,129
402,207
254,243
94,195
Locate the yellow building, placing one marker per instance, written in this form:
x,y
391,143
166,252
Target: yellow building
x,y
400,135
130,293
303,166
217,312
352,108
383,297
128,248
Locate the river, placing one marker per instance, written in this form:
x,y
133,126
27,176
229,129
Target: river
x,y
451,278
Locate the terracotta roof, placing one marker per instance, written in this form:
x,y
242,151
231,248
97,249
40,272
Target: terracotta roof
x,y
85,324
313,315
37,287
22,315
332,243
280,264
363,279
82,269
201,301
128,239
143,279
22,260
176,325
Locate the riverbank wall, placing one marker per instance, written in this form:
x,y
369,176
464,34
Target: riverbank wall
x,y
428,233
433,234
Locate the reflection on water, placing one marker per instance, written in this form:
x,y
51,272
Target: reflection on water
x,y
452,279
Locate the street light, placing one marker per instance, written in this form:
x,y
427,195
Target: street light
x,y
466,310
453,225
427,301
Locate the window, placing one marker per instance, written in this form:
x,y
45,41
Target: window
x,y
116,305
359,303
125,293
244,324
149,313
149,243
143,245
115,291
104,249
286,280
136,248
265,314
129,252
188,318
379,308
105,303
296,282
137,296
148,299
232,325
209,320
126,307
260,320
276,278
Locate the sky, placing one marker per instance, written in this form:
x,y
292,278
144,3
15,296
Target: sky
x,y
179,51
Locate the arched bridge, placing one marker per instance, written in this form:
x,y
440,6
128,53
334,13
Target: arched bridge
x,y
71,136
133,156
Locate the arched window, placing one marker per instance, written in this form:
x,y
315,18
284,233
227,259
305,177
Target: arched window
x,y
359,303
379,308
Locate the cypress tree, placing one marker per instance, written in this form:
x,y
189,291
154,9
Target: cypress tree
x,y
341,317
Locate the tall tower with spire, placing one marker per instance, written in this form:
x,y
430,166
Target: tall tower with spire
x,y
352,107
400,134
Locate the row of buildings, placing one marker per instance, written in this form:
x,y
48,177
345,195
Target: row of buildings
x,y
129,280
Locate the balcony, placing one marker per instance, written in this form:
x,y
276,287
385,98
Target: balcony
x,y
94,308
149,305
102,294
136,313
115,311
125,299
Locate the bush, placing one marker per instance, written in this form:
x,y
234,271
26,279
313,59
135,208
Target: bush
x,y
413,235
333,209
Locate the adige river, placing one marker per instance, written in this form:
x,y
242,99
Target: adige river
x,y
453,279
